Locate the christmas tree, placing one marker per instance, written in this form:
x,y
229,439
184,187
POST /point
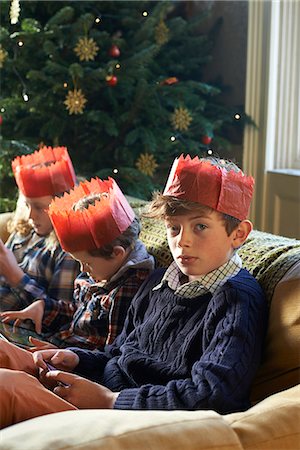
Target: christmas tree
x,y
117,82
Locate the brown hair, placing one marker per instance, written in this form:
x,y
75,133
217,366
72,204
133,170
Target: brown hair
x,y
164,206
126,239
87,200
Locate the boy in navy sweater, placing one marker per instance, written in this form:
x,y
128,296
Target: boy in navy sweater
x,y
193,334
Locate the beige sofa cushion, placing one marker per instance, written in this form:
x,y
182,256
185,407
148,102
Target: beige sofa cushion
x,y
271,424
123,430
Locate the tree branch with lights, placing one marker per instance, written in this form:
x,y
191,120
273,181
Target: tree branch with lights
x,y
118,83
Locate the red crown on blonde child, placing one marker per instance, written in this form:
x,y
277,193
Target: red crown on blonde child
x,y
48,171
202,181
99,224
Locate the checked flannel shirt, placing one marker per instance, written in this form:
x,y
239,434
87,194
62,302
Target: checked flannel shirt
x,y
98,311
48,273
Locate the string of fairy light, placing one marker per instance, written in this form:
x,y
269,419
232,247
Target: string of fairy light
x,y
75,101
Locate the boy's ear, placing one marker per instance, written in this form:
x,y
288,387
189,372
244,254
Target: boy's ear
x,y
118,251
241,233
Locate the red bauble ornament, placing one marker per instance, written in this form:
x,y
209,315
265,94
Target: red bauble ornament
x,y
111,81
1,120
206,139
114,51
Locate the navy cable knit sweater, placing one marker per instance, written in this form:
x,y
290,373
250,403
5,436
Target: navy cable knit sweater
x,y
182,353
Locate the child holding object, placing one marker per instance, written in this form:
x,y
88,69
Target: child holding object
x,y
32,263
97,226
193,334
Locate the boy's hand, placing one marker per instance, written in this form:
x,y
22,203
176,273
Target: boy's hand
x,y
59,358
38,344
9,266
35,312
81,392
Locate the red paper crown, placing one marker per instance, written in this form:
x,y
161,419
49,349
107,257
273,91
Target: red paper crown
x,y
95,226
201,181
48,171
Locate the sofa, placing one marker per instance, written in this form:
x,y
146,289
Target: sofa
x,y
273,421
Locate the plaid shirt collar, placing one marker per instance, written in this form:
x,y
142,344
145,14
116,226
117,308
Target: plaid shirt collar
x,y
210,282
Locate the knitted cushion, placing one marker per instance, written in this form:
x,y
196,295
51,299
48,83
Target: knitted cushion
x,y
268,257
154,236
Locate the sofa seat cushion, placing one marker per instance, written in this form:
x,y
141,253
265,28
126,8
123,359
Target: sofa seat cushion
x,y
122,430
272,424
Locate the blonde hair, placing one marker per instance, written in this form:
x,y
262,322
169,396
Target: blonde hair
x,y
20,224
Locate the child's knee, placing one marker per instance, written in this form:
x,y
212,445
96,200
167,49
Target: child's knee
x,y
8,385
10,378
16,358
4,346
16,390
14,382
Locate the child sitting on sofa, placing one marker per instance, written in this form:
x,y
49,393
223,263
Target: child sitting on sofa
x,y
193,334
32,263
97,226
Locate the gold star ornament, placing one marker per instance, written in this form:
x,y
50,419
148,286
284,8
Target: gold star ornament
x,y
162,33
86,49
75,101
146,164
181,119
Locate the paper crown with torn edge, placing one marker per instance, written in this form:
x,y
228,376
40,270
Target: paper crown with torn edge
x,y
48,171
202,181
98,224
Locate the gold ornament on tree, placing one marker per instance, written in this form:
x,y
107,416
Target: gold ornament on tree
x,y
75,102
161,33
3,55
14,11
146,164
181,119
86,49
